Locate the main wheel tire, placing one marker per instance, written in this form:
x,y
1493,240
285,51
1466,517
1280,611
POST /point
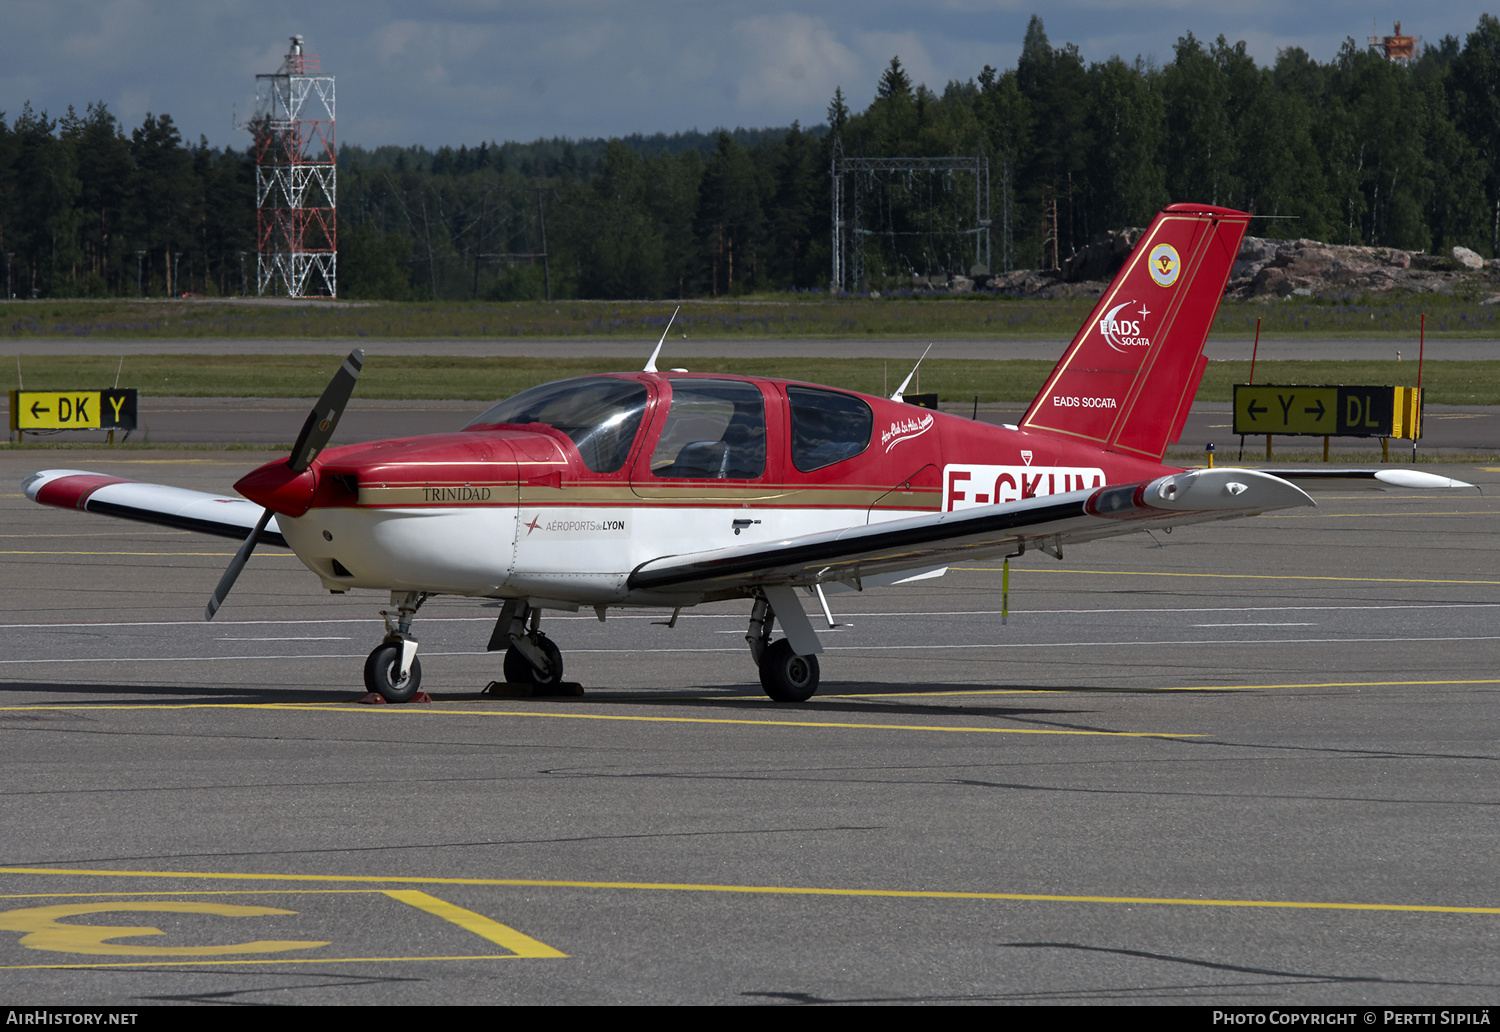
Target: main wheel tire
x,y
383,674
518,669
786,676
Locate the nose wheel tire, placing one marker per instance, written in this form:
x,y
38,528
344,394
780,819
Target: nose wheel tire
x,y
518,669
786,676
383,674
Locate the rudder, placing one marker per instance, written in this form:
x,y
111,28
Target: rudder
x,y
1129,376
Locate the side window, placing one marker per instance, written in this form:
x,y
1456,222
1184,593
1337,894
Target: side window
x,y
827,427
716,429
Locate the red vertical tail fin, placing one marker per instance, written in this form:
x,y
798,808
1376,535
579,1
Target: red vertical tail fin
x,y
1127,380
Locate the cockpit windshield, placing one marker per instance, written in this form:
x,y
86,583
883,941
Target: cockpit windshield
x,y
599,414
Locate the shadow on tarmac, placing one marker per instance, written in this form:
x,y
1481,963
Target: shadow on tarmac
x,y
38,693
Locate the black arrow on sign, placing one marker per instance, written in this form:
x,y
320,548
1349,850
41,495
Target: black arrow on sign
x,y
1319,409
1253,409
34,413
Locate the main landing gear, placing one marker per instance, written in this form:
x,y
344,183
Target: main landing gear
x,y
393,671
530,656
786,674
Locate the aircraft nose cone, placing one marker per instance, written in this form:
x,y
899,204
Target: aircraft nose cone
x,y
276,487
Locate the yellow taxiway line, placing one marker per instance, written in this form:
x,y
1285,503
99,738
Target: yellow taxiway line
x,y
217,555
1165,688
761,890
199,961
419,711
1227,576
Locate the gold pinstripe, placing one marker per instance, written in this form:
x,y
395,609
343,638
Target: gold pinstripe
x,y
841,496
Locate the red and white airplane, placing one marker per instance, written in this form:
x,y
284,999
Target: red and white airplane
x,y
676,489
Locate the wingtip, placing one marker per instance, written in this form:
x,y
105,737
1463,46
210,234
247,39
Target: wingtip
x,y
1420,480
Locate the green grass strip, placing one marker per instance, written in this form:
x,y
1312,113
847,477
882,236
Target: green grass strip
x,y
405,377
1394,316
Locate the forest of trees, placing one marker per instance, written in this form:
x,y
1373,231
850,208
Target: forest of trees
x,y
1356,150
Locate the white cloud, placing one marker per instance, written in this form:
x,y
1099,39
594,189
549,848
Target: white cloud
x,y
790,64
458,71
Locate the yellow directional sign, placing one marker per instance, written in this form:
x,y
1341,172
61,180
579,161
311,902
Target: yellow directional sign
x,y
1271,409
73,410
1333,411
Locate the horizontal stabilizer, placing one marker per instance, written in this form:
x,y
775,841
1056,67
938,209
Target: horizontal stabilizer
x,y
166,506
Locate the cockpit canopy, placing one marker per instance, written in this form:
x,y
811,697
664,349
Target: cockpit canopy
x,y
599,414
714,429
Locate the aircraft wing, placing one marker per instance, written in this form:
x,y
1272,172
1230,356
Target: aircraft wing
x,y
149,503
980,532
1315,479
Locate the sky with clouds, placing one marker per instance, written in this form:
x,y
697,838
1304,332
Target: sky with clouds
x,y
465,71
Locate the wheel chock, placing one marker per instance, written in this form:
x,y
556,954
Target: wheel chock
x,y
526,690
376,699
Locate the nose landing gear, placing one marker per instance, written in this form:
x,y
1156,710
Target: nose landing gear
x,y
383,672
392,670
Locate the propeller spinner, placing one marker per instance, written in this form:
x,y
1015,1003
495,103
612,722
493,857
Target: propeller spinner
x,y
317,429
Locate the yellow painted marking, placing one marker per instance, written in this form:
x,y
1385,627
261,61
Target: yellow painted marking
x,y
45,931
1231,576
426,711
194,892
814,723
218,555
293,960
1324,684
330,707
520,944
1163,688
1371,515
763,890
964,692
136,533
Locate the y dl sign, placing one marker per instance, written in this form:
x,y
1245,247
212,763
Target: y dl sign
x,y
1325,411
73,410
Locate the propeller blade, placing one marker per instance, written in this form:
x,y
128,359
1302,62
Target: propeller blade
x,y
324,417
235,566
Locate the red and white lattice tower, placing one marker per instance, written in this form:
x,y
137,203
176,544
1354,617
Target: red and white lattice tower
x,y
296,180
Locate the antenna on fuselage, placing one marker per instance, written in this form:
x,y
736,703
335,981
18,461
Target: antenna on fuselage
x,y
651,362
902,389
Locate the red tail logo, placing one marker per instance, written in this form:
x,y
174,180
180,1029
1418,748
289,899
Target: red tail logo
x,y
1122,333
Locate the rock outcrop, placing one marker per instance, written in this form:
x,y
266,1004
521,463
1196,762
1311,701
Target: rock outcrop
x,y
1282,268
1102,257
1264,270
1467,258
